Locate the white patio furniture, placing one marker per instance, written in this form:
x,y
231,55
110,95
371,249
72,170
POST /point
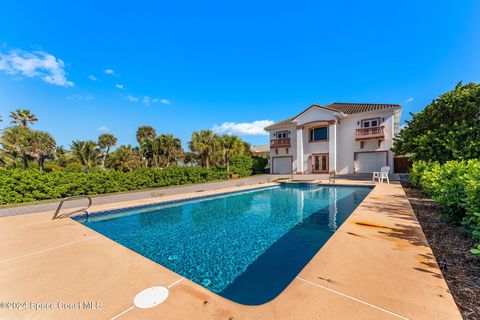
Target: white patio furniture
x,y
383,174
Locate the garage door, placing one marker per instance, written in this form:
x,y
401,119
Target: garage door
x,y
282,165
370,161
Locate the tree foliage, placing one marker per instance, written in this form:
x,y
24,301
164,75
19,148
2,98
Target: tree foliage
x,y
447,129
105,142
22,117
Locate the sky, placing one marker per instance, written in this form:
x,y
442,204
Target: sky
x,y
90,67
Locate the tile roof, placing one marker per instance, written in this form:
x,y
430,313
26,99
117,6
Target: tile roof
x,y
345,108
352,108
280,123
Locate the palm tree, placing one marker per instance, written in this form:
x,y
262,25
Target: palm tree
x,y
86,152
105,142
23,117
145,136
16,142
125,158
168,149
42,146
206,145
5,158
230,146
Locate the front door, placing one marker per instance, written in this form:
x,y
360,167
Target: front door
x,y
320,162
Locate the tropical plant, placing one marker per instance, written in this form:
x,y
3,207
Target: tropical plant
x,y
145,133
6,158
189,159
23,117
230,146
41,146
206,145
125,158
86,152
447,129
15,142
105,142
167,150
145,136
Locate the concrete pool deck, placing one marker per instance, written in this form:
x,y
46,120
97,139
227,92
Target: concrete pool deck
x,y
378,265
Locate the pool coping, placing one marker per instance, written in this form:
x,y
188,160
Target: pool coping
x,y
385,270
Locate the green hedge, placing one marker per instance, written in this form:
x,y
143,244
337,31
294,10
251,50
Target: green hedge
x,y
18,185
242,165
455,185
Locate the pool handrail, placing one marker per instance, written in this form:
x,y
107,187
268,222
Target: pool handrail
x,y
57,216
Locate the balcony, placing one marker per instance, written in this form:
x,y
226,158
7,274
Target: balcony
x,y
280,143
370,133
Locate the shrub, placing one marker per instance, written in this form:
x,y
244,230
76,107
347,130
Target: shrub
x,y
52,166
74,167
259,165
18,185
455,185
241,165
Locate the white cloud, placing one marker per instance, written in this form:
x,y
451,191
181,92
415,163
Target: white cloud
x,y
79,97
410,99
147,100
92,77
103,128
132,98
120,86
35,64
254,128
109,71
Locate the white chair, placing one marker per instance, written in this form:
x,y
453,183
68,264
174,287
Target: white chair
x,y
383,174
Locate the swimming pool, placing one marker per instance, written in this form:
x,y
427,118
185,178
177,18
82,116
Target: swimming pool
x,y
245,246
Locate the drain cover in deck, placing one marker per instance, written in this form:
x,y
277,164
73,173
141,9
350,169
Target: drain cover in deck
x,y
150,297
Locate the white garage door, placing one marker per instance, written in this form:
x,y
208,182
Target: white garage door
x,y
370,162
282,165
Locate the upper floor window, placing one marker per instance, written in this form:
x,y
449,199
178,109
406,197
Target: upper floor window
x,y
318,134
281,134
367,123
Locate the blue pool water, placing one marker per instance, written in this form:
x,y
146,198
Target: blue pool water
x,y
245,246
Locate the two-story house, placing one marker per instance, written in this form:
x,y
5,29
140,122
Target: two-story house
x,y
345,137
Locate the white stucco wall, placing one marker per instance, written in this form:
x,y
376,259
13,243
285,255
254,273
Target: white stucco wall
x,y
346,144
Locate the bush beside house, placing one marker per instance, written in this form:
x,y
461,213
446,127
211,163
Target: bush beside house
x,y
455,185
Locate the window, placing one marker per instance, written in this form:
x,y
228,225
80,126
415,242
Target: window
x,y
370,123
362,144
318,134
282,134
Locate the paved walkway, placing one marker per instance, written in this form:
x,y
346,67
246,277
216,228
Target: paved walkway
x,y
141,195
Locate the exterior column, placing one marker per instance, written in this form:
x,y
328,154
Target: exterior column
x,y
299,151
332,146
